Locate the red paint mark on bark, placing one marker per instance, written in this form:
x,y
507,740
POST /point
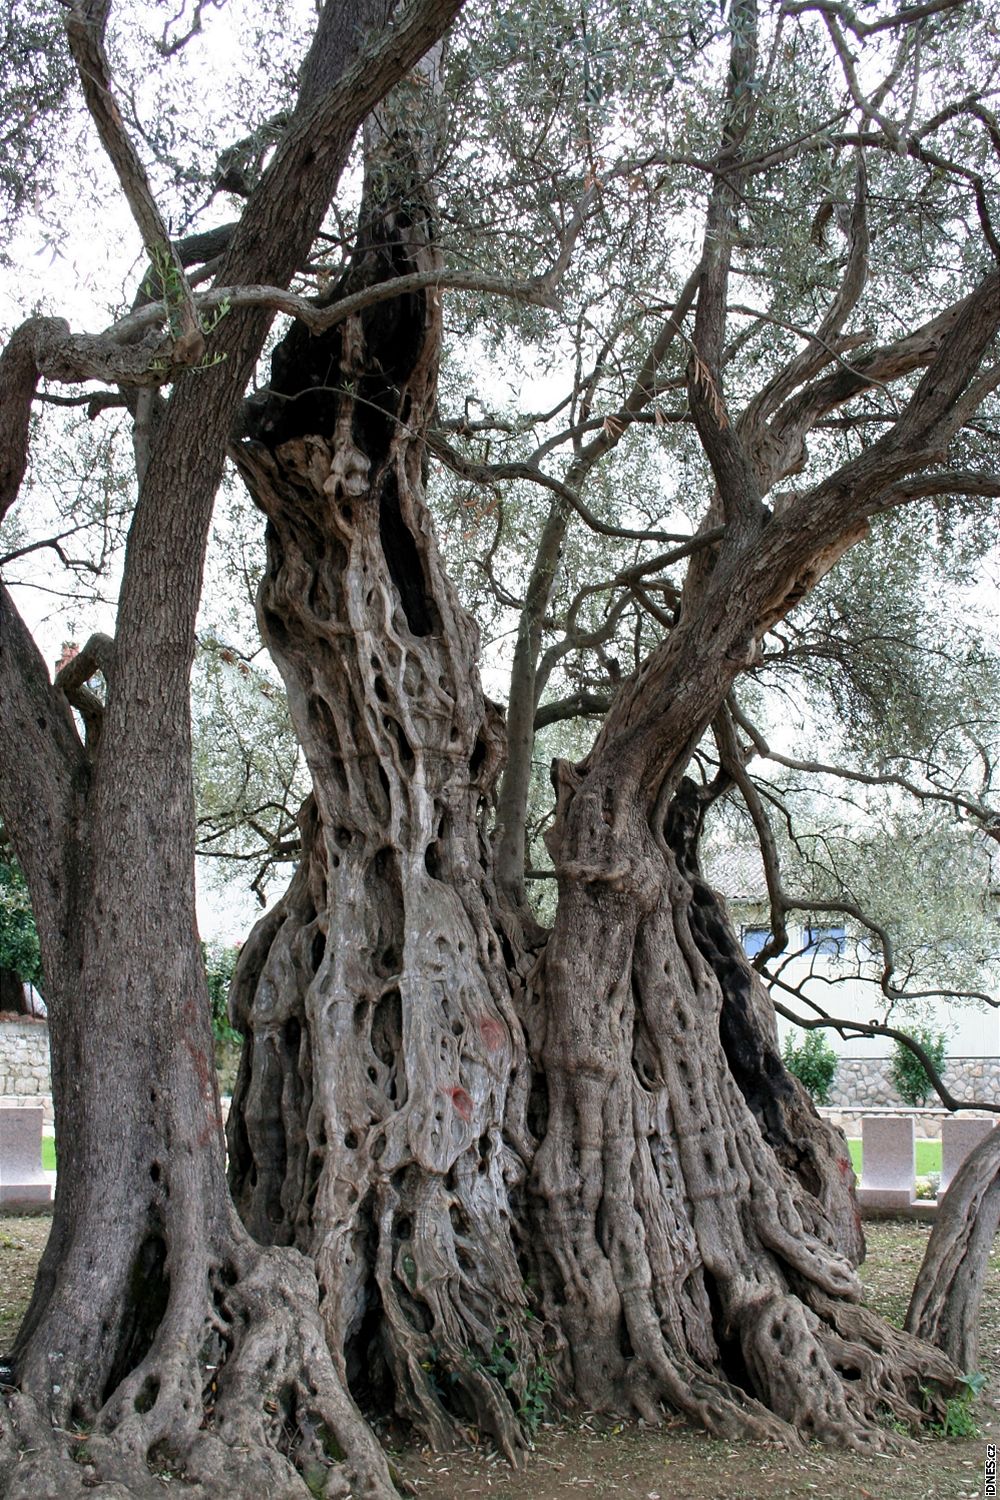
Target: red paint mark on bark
x,y
492,1033
462,1102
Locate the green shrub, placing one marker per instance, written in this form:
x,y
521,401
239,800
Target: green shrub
x,y
813,1063
907,1072
959,1418
219,965
18,938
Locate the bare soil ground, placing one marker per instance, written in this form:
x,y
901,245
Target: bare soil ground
x,y
583,1455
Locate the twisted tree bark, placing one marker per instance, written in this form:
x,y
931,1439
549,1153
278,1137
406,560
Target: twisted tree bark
x,y
380,1116
697,1216
946,1298
688,1234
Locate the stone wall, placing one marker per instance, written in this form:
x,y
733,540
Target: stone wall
x,y
858,1084
24,1064
927,1123
861,1082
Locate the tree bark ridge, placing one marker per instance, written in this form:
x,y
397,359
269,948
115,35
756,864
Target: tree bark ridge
x,y
380,1114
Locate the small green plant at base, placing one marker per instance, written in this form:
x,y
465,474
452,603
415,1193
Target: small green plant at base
x,y
813,1063
907,1072
532,1401
892,1423
537,1395
959,1420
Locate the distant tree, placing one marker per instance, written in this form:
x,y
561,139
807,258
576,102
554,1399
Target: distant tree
x,y
813,1062
248,770
909,1076
19,951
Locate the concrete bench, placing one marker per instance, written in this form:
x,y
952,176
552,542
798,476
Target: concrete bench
x,y
960,1134
24,1187
887,1170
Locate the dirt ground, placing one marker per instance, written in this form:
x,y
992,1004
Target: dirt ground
x,y
583,1455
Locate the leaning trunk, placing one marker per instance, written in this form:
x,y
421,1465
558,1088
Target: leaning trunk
x,y
697,1217
947,1295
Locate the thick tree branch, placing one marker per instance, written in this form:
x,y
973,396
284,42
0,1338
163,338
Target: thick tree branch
x,y
19,375
813,529
939,482
319,319
737,482
85,27
96,656
826,343
43,769
781,449
848,1028
732,762
579,705
845,13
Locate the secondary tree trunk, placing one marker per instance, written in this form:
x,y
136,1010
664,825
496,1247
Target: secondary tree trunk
x,y
159,1337
697,1217
946,1298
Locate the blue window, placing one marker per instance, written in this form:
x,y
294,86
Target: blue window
x,y
830,941
754,939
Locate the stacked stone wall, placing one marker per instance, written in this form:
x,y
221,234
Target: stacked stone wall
x,y
859,1083
24,1064
864,1082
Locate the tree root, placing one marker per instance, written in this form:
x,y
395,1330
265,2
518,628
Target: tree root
x,y
683,1217
237,1395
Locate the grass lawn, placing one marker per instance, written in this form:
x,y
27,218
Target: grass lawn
x,y
928,1156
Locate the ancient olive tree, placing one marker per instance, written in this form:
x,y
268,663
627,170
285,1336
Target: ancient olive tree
x,y
157,1324
654,1208
514,1157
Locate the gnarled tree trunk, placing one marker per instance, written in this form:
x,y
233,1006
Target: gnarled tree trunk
x,y
161,1337
689,1231
379,1120
697,1216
